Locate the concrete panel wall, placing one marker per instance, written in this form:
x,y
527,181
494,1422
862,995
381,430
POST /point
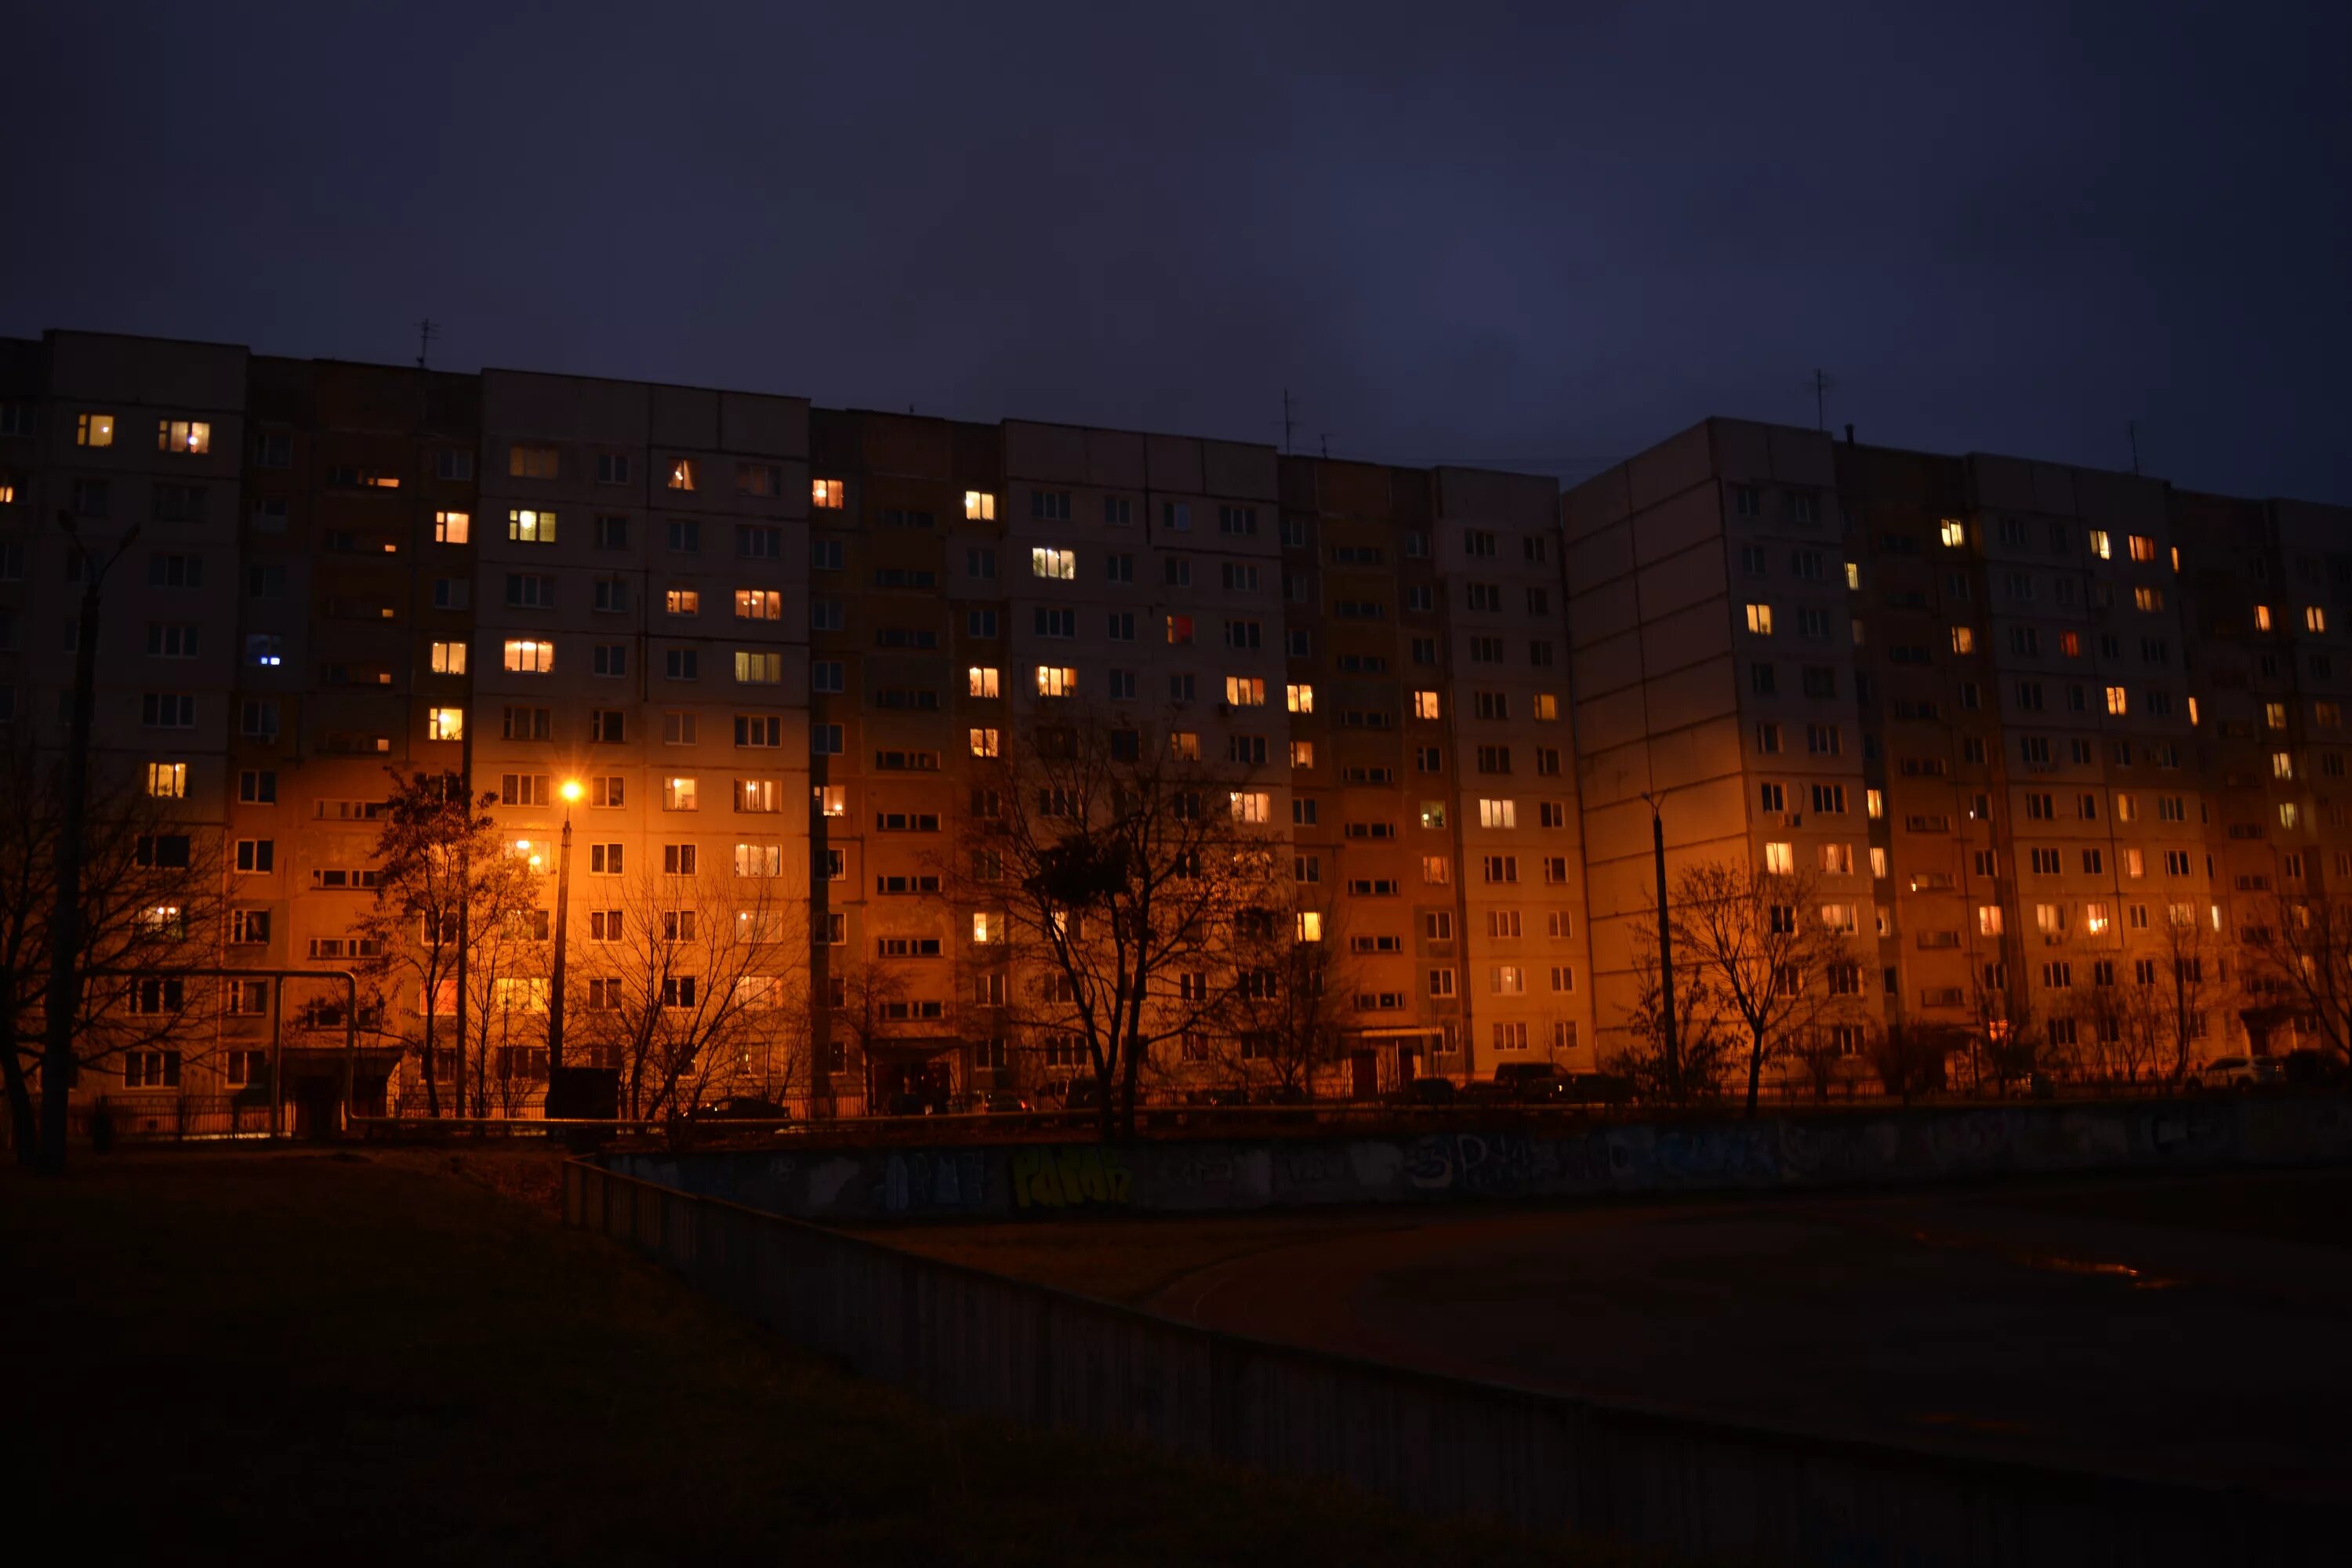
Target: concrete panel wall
x,y
981,1344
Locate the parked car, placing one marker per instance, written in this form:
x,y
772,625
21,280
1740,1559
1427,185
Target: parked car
x,y
1217,1097
2306,1067
1426,1091
1526,1083
748,1108
2234,1072
1077,1093
995,1102
1596,1089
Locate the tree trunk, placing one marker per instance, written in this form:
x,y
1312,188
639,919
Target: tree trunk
x,y
26,1132
432,1096
1755,1070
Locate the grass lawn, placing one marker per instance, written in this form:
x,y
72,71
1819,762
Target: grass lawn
x,y
330,1357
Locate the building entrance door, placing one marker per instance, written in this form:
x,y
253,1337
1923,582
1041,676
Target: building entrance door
x,y
1364,1075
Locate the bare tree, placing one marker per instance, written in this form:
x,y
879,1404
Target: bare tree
x,y
150,910
1908,1059
2191,977
2300,957
440,871
1702,1055
690,979
1772,967
1128,874
2008,1028
1285,1018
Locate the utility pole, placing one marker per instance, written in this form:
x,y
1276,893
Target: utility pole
x,y
2131,433
1327,446
426,331
1666,949
1289,420
1822,385
562,926
65,916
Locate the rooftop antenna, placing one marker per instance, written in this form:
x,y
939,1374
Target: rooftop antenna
x,y
426,331
2131,433
1289,420
1327,446
1821,384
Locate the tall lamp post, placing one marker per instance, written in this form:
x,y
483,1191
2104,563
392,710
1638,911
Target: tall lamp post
x,y
562,923
1665,945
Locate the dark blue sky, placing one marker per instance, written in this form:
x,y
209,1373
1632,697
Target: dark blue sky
x,y
1540,235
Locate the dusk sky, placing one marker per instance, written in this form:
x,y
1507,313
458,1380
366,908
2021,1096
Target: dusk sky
x,y
1540,237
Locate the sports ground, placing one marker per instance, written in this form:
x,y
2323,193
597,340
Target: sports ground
x,y
2183,1328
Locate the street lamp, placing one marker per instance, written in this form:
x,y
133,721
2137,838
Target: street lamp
x,y
570,793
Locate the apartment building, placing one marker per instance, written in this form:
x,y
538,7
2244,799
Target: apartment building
x,y
2022,725
2031,728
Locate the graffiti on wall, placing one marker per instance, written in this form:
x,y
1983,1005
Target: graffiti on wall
x,y
932,1181
1058,1179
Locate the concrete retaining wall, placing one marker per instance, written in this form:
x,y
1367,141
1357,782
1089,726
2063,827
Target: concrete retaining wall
x,y
986,1345
1047,1181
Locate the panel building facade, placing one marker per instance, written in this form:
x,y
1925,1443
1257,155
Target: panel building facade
x,y
2018,723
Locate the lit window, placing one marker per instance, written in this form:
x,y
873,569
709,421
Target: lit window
x,y
1424,705
167,781
1250,805
1179,630
192,435
2150,599
2281,764
2099,546
759,668
452,528
1546,706
94,430
1301,697
1759,619
448,659
1780,859
529,655
529,527
683,601
681,473
2118,701
1853,575
1056,680
982,680
1988,919
1951,533
1245,692
2262,617
979,506
2315,618
1498,814
825,493
985,928
1310,925
2143,548
1877,860
680,795
1876,801
444,724
2192,712
1062,565
1184,745
759,604
984,743
1964,639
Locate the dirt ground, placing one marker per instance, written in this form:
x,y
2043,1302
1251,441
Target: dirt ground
x,y
377,1356
2186,1328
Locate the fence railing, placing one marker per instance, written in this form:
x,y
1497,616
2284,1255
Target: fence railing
x,y
983,1344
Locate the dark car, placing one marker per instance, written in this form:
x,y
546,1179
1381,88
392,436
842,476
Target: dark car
x,y
744,1108
1527,1083
994,1102
1596,1089
1216,1097
1426,1091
